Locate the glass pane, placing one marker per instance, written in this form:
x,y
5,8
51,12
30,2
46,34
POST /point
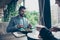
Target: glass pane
x,y
32,11
55,16
55,13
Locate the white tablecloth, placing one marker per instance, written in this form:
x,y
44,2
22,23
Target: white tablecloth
x,y
56,34
34,34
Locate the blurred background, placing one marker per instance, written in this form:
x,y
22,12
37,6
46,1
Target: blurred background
x,y
51,13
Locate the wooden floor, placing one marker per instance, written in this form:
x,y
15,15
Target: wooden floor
x,y
11,37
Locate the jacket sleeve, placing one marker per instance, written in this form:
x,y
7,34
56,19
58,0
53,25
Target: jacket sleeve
x,y
12,27
46,34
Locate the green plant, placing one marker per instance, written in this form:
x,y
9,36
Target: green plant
x,y
32,17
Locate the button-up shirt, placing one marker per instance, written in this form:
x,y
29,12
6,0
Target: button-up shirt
x,y
15,21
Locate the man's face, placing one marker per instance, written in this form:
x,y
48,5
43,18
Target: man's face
x,y
58,2
21,12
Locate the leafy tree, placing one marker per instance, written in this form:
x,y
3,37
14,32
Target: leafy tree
x,y
10,10
32,17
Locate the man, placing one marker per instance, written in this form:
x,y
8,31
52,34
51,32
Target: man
x,y
19,23
45,33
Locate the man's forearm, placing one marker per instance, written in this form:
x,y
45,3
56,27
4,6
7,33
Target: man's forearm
x,y
12,29
55,29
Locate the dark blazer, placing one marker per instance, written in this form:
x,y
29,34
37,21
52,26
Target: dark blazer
x,y
46,34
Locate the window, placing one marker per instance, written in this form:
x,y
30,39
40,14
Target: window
x,y
55,13
32,11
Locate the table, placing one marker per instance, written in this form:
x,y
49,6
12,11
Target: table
x,y
21,33
56,34
33,35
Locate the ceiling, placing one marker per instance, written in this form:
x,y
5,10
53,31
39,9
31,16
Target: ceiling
x,y
4,2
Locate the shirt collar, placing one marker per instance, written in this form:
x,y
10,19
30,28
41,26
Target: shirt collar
x,y
19,16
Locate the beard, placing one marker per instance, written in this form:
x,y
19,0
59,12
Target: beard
x,y
22,15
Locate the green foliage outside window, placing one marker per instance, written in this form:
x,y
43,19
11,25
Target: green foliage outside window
x,y
32,17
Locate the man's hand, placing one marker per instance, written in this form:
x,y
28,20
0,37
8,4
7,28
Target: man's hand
x,y
19,26
55,29
29,26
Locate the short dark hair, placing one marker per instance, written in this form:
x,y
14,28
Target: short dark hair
x,y
21,7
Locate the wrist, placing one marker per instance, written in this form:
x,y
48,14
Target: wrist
x,y
17,26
